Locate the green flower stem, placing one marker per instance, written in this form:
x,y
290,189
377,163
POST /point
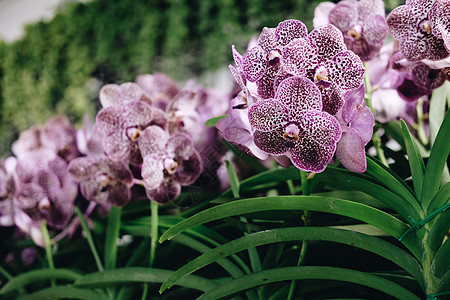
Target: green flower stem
x,y
306,218
48,248
89,238
154,231
375,138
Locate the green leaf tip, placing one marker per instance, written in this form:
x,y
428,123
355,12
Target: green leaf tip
x,y
213,121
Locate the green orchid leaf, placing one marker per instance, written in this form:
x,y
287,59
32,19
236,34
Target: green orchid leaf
x,y
25,278
64,292
348,237
126,276
313,273
112,233
436,162
416,163
213,121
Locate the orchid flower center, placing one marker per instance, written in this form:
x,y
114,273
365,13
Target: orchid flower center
x,y
103,180
291,132
425,27
133,133
274,58
355,32
44,204
170,166
321,74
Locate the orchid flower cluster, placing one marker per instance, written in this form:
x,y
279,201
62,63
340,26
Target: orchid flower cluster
x,y
142,146
303,93
302,99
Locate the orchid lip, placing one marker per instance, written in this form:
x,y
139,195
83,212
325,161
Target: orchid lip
x,y
291,132
355,32
170,166
133,133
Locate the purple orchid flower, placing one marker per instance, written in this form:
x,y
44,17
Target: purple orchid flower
x,y
293,124
57,134
169,162
420,30
323,57
120,127
361,22
102,180
44,191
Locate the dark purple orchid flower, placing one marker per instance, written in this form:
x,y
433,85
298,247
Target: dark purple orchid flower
x,y
102,180
420,30
169,162
120,127
262,63
323,57
293,124
361,22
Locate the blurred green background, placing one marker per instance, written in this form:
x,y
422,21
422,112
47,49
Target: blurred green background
x,y
60,65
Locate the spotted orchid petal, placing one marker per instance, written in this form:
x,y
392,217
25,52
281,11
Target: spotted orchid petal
x,y
322,127
267,115
271,142
332,98
167,191
344,15
108,120
180,145
310,156
440,21
299,56
346,70
117,146
289,30
254,64
266,39
190,169
266,83
153,141
299,94
328,40
152,172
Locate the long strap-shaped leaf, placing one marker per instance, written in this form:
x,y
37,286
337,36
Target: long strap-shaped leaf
x,y
346,179
348,237
124,276
438,231
307,272
435,165
64,292
415,161
391,180
37,275
440,198
370,215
